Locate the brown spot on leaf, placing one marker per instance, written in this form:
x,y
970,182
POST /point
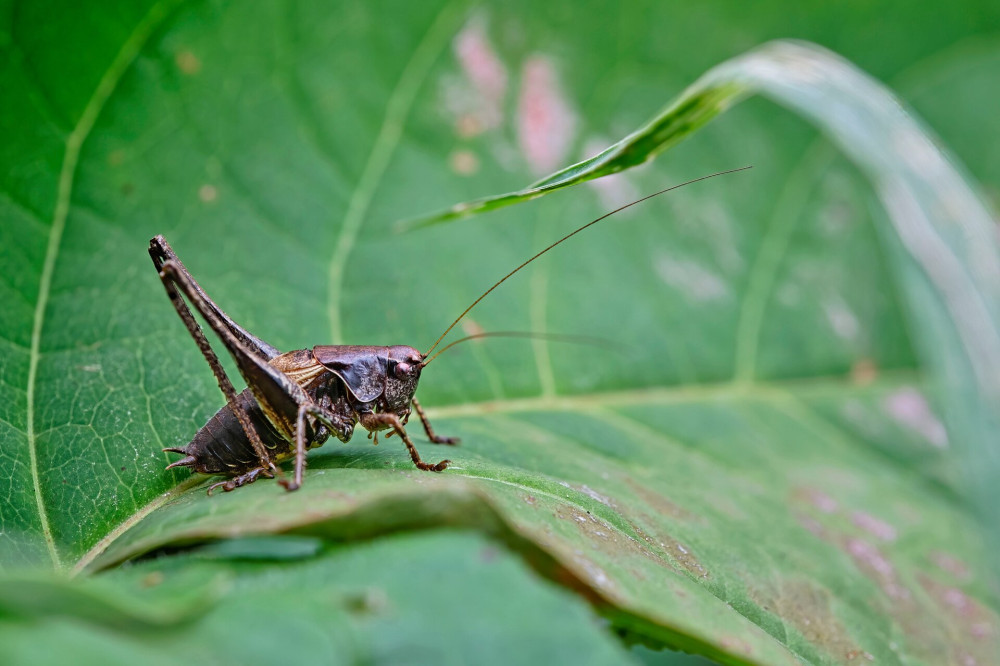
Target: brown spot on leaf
x,y
594,527
678,553
468,126
208,193
860,654
152,579
608,538
924,634
464,162
683,556
808,609
657,502
187,62
864,371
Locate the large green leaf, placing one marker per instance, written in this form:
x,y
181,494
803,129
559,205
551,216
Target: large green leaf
x,y
398,600
807,510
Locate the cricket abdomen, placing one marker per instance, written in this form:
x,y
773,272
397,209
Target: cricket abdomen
x,y
222,447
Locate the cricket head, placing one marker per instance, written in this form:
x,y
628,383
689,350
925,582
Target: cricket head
x,y
402,375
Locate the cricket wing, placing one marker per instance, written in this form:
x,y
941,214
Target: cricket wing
x,y
278,395
363,369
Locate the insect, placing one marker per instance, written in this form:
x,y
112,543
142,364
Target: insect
x,y
297,400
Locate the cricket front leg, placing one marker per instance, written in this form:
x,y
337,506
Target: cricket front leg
x,y
437,439
372,422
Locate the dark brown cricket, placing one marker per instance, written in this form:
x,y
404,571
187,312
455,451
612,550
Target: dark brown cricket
x,y
295,401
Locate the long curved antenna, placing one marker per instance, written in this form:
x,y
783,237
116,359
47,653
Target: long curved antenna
x,y
567,237
555,337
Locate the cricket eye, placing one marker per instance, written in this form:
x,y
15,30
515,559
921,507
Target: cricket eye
x,y
402,369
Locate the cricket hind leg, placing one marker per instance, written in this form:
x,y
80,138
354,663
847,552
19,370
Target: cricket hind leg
x,y
372,422
232,484
173,277
435,438
277,394
161,252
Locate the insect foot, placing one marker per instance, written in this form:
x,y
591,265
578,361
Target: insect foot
x,y
237,481
385,420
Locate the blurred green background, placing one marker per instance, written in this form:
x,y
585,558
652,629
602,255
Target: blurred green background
x,y
607,498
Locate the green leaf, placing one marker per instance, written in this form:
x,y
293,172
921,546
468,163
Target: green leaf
x,y
403,599
755,472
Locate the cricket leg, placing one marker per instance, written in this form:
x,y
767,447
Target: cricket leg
x,y
161,252
172,278
277,393
232,484
372,421
437,439
300,450
325,417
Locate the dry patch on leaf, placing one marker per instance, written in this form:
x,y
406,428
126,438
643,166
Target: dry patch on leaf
x,y
807,608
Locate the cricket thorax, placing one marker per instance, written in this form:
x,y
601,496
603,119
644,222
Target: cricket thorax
x,y
324,387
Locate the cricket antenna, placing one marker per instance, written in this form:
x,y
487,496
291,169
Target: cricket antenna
x,y
554,337
567,237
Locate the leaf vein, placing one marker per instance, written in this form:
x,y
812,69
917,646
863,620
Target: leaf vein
x,y
396,111
766,264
